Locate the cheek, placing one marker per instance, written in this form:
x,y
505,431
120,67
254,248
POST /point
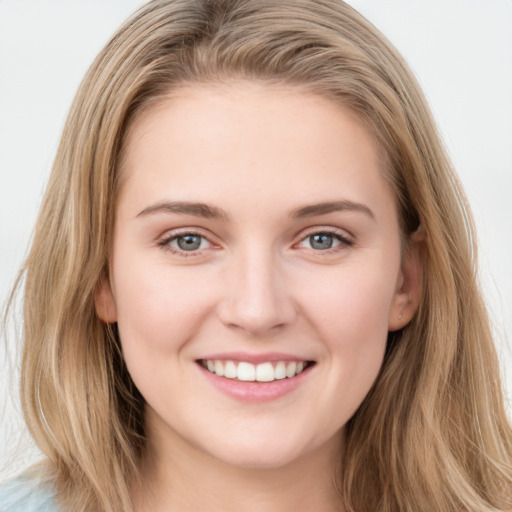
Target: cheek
x,y
354,301
351,319
159,307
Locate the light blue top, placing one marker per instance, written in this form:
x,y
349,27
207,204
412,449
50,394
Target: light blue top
x,y
26,495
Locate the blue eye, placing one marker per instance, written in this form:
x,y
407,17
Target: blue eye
x,y
321,241
187,242
324,240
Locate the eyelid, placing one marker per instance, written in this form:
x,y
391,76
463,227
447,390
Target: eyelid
x,y
165,240
346,239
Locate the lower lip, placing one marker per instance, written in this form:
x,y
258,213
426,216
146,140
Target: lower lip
x,y
255,391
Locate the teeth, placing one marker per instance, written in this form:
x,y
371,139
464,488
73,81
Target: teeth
x,y
219,368
263,372
290,369
280,371
230,370
246,371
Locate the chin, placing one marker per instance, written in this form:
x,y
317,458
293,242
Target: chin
x,y
258,460
263,452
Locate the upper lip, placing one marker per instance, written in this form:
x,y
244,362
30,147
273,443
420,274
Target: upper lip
x,y
254,358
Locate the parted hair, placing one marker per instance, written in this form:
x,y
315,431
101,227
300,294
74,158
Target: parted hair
x,y
432,434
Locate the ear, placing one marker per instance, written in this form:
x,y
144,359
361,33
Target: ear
x,y
408,291
104,301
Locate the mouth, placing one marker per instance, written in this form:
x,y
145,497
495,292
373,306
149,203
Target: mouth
x,y
264,372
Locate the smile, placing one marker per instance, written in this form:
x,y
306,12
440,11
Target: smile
x,y
249,372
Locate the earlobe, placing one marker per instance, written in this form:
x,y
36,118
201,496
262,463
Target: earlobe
x,y
408,293
104,301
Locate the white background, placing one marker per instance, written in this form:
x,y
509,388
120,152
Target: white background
x,y
460,50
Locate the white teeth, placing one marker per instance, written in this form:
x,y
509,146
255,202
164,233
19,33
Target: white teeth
x,y
263,372
290,369
219,368
230,370
246,371
280,371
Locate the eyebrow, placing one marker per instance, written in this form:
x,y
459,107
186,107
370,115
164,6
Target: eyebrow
x,y
330,207
209,211
205,210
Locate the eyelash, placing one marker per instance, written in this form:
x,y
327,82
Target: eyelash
x,y
344,242
165,243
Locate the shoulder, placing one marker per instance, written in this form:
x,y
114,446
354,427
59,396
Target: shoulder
x,y
25,494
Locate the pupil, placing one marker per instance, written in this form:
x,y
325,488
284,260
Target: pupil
x,y
189,242
321,241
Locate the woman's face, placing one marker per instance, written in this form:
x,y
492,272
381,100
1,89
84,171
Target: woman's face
x,y
255,234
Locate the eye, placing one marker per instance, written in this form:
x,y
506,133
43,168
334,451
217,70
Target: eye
x,y
185,243
322,241
325,240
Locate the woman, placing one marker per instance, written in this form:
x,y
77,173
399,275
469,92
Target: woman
x,y
251,282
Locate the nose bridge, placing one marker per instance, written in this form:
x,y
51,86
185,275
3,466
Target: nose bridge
x,y
257,299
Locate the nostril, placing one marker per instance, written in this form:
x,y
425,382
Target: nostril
x,y
255,318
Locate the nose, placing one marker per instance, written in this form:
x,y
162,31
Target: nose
x,y
257,300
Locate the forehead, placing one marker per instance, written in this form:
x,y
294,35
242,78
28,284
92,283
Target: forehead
x,y
250,137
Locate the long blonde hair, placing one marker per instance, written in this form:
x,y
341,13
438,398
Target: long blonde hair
x,y
432,434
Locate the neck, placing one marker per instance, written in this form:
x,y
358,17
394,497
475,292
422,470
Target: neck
x,y
178,477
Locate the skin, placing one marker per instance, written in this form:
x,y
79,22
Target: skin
x,y
256,285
